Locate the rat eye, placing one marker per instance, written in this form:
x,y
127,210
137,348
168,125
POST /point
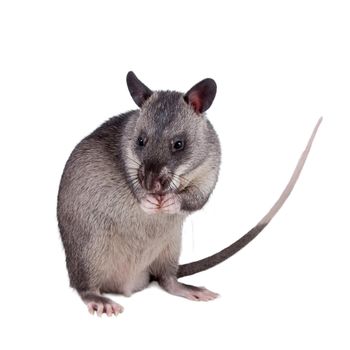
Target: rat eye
x,y
178,145
141,141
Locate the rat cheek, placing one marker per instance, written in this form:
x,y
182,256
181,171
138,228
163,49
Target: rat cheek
x,y
179,179
134,156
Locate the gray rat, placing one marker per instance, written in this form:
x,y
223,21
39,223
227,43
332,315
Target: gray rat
x,y
127,188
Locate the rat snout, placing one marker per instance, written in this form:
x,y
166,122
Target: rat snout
x,y
154,180
152,183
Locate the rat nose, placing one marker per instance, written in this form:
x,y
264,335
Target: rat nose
x,y
152,182
157,186
153,179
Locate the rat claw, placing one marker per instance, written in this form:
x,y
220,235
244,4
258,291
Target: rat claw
x,y
109,310
117,309
100,309
91,308
103,306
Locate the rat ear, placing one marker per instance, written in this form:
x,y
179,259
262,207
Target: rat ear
x,y
202,95
138,90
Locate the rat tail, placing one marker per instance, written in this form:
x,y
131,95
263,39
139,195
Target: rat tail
x,y
207,263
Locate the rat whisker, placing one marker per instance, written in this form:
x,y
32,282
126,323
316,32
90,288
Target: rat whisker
x,y
131,168
188,183
133,160
167,206
133,182
167,200
172,185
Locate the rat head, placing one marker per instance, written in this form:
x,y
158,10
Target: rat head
x,y
170,137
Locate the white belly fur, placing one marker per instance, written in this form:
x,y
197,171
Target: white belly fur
x,y
125,260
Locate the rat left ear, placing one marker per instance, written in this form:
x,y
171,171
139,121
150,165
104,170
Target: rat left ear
x,y
202,95
138,90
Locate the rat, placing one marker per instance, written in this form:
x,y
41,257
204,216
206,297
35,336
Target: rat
x,y
127,188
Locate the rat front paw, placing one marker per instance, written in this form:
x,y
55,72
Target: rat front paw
x,y
168,204
150,204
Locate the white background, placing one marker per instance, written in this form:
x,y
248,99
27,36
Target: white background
x,y
279,66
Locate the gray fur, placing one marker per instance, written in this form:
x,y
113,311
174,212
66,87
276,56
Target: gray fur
x,y
111,243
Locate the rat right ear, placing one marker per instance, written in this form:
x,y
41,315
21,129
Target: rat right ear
x,y
202,95
138,90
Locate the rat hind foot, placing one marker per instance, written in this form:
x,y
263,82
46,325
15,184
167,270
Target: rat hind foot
x,y
172,286
100,304
196,293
